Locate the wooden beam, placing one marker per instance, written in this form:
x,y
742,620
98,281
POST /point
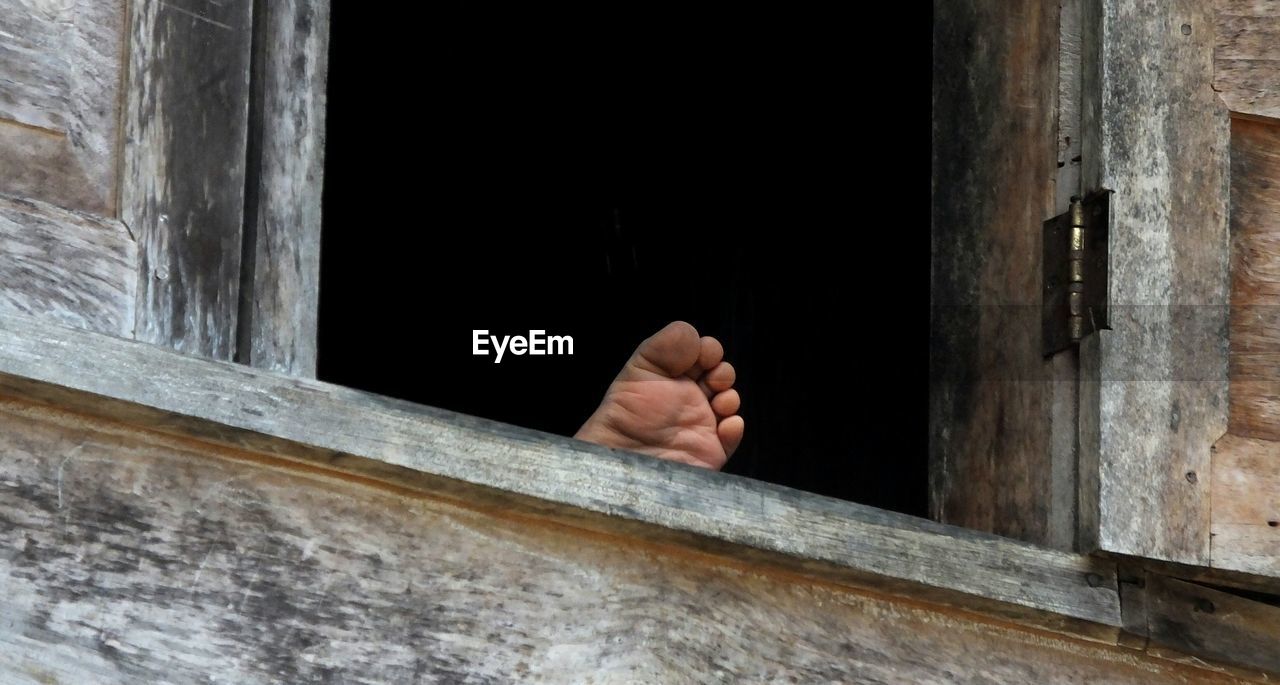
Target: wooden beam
x,y
185,126
279,295
134,556
1249,583
1002,418
1154,388
1213,624
472,459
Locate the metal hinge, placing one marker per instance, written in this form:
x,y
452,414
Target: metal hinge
x,y
1075,272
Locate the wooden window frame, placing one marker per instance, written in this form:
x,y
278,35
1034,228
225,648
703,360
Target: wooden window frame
x,y
1146,441
198,226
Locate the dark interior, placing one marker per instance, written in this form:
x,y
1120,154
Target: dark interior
x,y
590,188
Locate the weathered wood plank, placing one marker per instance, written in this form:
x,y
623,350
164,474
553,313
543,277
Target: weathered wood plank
x,y
60,82
1070,62
1205,575
69,267
1246,505
1247,56
1064,423
280,292
437,451
1157,134
1255,275
1195,619
1002,418
137,557
185,126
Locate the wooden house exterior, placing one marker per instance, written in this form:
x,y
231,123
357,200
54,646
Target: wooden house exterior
x,y
181,501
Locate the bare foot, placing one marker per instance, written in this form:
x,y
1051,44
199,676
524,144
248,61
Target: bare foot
x,y
674,400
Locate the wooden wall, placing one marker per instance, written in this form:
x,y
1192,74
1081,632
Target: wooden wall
x,y
1171,106
139,133
64,253
133,556
1183,387
169,512
1246,463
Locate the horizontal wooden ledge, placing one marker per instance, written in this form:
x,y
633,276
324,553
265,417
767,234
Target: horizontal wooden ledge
x,y
523,472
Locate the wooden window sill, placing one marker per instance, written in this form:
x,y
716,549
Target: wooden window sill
x,y
307,426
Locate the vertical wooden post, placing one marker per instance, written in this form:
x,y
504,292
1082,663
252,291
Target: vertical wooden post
x,y
1002,417
279,294
1154,389
185,125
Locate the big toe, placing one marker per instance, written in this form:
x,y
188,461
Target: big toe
x,y
671,351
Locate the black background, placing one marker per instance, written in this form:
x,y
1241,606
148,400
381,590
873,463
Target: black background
x,y
765,179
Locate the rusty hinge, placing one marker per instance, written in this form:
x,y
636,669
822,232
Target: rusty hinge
x,y
1075,272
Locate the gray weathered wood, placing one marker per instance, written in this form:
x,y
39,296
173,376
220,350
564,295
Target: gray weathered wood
x,y
1156,385
182,185
130,556
281,289
1070,62
438,451
1064,421
1200,620
1002,418
59,101
69,267
185,126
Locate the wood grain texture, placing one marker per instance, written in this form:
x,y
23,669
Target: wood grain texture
x,y
450,454
281,287
60,79
1246,471
1246,505
1002,418
1157,134
1205,575
1255,279
185,122
1070,62
135,557
1247,56
1214,624
70,267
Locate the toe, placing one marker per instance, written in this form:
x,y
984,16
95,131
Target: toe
x,y
710,353
726,403
721,377
671,351
730,432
